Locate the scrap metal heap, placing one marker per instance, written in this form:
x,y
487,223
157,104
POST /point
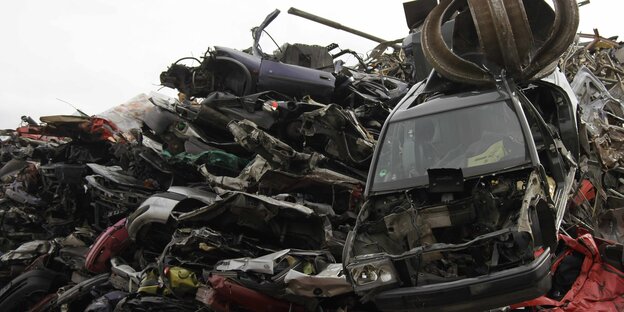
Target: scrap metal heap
x,y
604,57
239,195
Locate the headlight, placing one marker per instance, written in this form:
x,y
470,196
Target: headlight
x,y
371,274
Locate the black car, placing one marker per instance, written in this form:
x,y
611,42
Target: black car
x,y
465,196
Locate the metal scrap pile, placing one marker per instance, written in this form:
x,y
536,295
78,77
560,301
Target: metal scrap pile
x,y
595,70
604,57
242,193
589,267
237,195
600,195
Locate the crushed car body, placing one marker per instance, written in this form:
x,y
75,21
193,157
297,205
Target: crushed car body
x,y
457,201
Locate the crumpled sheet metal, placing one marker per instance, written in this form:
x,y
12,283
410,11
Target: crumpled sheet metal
x,y
20,223
107,302
279,154
123,276
12,167
300,191
599,286
263,264
16,191
327,283
26,251
159,207
260,175
339,134
208,246
597,105
21,291
248,176
217,160
117,175
602,116
82,128
388,64
611,224
270,207
143,303
66,295
128,115
604,62
610,146
267,263
289,225
318,175
110,243
225,295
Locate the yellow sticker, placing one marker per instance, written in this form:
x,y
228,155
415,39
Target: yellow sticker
x,y
492,154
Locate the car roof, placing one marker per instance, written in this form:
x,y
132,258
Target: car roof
x,y
407,109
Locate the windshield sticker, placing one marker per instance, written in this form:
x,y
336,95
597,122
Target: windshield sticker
x,y
494,153
383,172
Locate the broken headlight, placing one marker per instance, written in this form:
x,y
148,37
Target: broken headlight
x,y
373,273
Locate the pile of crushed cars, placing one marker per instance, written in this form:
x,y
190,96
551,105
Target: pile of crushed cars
x,y
461,179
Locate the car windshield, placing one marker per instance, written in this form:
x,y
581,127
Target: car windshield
x,y
478,139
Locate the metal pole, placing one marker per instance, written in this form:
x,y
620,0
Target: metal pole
x,y
333,24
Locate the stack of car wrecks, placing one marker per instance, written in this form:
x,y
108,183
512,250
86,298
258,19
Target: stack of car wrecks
x,y
463,172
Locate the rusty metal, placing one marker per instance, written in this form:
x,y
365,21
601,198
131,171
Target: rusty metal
x,y
504,32
561,36
507,39
598,41
599,56
440,55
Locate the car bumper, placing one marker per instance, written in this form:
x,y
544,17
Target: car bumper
x,y
480,293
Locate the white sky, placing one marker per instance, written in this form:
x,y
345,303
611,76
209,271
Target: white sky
x,y
96,54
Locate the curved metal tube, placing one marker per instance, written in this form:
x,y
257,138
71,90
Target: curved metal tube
x,y
504,33
505,37
440,55
561,36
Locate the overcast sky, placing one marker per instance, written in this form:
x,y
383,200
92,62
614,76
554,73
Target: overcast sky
x,y
97,54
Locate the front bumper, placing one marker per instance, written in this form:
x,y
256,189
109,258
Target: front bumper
x,y
473,294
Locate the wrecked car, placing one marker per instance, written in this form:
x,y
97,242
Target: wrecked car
x,y
272,90
464,198
242,74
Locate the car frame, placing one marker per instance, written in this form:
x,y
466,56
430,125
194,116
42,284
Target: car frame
x,y
385,267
